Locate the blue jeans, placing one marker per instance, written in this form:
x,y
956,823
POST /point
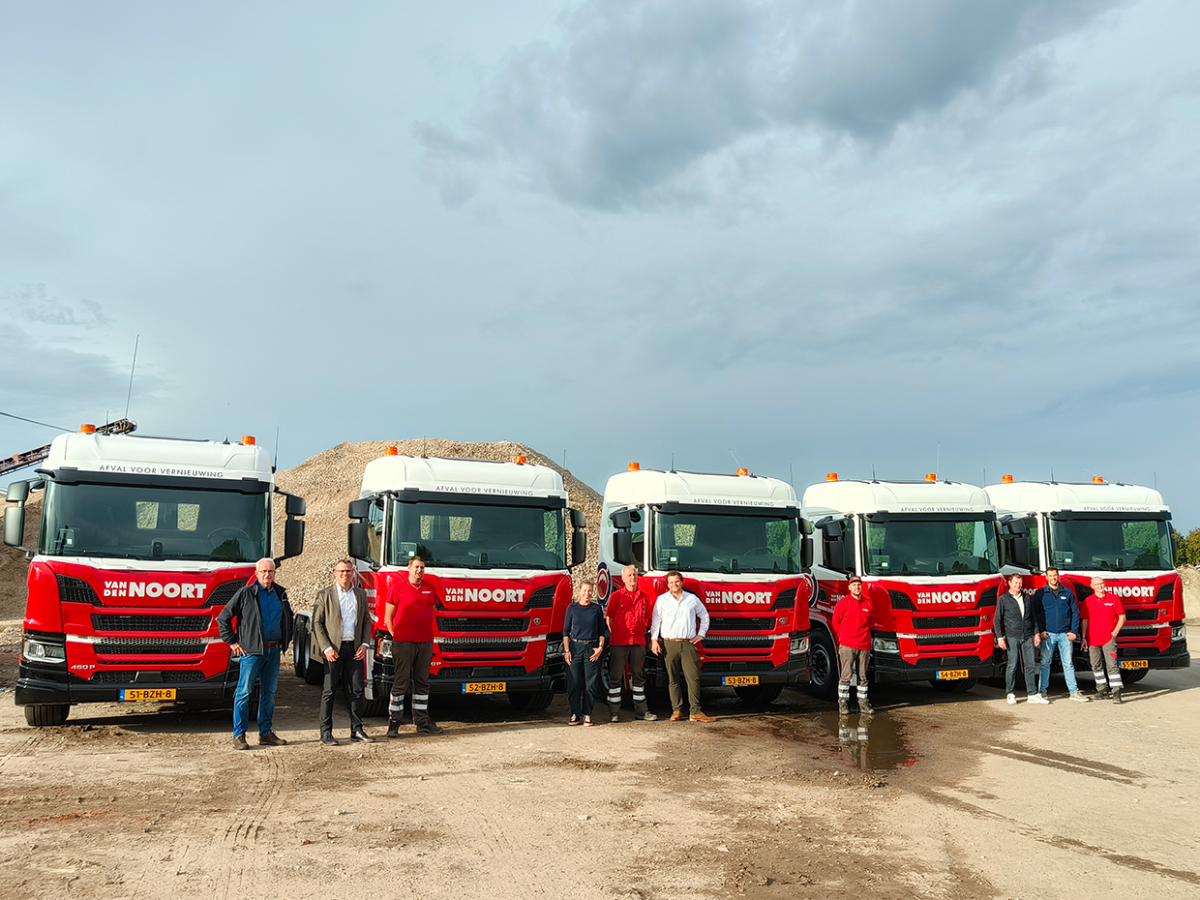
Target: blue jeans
x,y
1066,652
265,670
1020,649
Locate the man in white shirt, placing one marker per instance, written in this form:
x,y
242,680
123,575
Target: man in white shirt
x,y
681,621
341,634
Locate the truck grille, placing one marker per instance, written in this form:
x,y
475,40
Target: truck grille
x,y
785,600
1140,632
727,623
901,600
935,640
748,666
542,598
143,646
222,593
478,672
1141,615
928,623
948,662
127,677
151,623
471,623
481,645
732,640
76,590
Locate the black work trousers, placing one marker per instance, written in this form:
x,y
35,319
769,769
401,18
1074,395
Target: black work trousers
x,y
410,665
635,655
343,674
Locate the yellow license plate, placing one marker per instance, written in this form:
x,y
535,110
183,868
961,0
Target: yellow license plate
x,y
1135,664
154,695
951,674
739,680
485,687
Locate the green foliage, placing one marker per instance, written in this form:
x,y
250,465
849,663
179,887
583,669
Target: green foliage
x,y
1187,548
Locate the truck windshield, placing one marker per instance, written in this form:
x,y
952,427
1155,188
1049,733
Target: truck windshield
x,y
146,522
1110,545
483,536
701,542
932,547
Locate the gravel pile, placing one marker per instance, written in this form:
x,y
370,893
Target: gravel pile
x,y
328,482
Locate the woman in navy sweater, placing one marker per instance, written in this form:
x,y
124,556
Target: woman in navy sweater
x,y
584,633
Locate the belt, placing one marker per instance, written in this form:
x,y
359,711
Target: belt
x,y
268,644
679,640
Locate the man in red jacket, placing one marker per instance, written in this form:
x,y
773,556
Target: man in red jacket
x,y
852,628
409,617
628,616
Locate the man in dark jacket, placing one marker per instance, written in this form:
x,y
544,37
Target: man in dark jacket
x,y
256,623
341,636
1016,632
1057,614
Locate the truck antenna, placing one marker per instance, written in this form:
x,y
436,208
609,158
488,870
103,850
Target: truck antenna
x,y
937,466
1156,479
736,464
564,465
424,441
791,476
1052,481
672,460
132,367
873,478
275,465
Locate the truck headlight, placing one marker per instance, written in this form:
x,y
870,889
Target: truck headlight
x,y
384,647
554,647
885,645
42,651
1178,632
798,646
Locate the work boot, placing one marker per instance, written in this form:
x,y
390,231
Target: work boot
x,y
865,707
844,707
393,729
431,727
646,717
239,742
271,739
1116,695
1102,693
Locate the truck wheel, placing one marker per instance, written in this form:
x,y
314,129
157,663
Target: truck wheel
x,y
759,694
376,707
300,646
823,664
955,686
530,701
46,714
1128,676
315,673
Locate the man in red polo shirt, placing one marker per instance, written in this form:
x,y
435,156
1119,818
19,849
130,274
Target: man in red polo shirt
x,y
409,617
1105,616
852,628
628,616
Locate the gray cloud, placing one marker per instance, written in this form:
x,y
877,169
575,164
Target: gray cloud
x,y
634,95
35,303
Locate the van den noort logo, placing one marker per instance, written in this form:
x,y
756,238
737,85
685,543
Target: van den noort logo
x,y
485,595
739,597
945,596
1139,590
170,590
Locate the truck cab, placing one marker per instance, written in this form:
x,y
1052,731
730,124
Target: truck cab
x,y
742,548
928,556
1119,532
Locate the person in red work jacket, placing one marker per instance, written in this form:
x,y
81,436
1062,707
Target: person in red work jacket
x,y
628,616
852,628
1105,619
409,618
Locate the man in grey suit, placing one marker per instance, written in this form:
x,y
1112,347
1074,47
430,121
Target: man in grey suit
x,y
341,634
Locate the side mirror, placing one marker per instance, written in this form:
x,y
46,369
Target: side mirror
x,y
578,548
834,528
358,543
295,505
835,555
806,552
360,509
806,527
623,548
18,492
578,519
622,520
14,523
1020,551
293,538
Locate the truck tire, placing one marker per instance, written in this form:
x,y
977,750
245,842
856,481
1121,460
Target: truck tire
x,y
43,715
376,707
823,663
300,646
530,701
956,686
759,694
1128,676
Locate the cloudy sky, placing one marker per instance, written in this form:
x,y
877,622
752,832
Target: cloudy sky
x,y
812,236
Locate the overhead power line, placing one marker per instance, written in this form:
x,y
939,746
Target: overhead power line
x,y
35,422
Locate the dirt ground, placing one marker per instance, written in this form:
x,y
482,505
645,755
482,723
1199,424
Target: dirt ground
x,y
935,796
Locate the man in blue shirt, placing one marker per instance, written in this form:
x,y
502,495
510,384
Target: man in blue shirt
x,y
256,623
1057,614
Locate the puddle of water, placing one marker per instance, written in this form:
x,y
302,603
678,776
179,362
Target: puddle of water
x,y
875,743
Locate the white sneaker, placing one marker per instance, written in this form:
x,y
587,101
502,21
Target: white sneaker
x,y
1078,697
1012,699
1039,699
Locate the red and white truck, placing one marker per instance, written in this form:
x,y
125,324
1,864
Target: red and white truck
x,y
142,542
741,546
927,554
1119,532
498,542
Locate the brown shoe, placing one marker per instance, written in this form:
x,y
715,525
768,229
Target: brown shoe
x,y
700,717
677,716
239,742
271,738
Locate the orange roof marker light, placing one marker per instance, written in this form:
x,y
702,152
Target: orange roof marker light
x,y
1096,479
87,429
634,467
1006,479
931,477
742,472
248,440
519,460
831,476
392,451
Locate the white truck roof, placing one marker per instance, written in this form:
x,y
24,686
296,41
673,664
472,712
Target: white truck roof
x,y
893,496
651,486
133,454
468,476
1047,496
